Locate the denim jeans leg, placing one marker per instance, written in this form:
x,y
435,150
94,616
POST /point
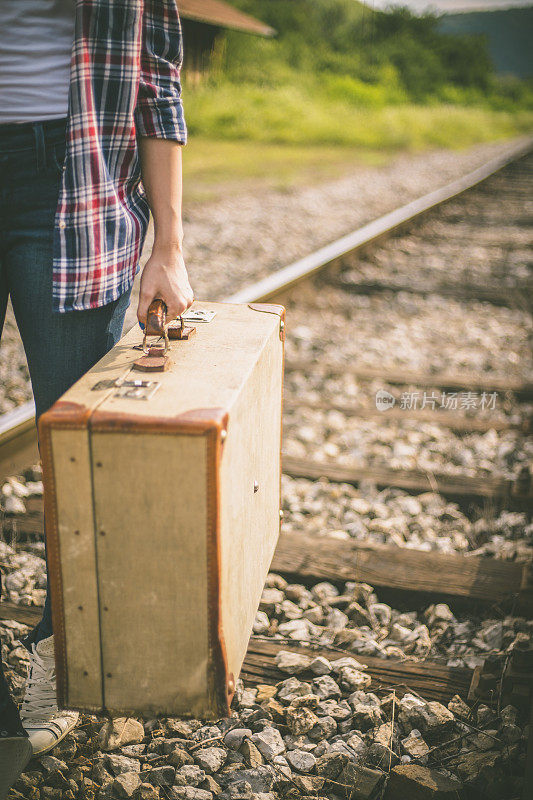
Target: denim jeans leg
x,y
60,348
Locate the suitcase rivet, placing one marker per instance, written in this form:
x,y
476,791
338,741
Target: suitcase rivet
x,y
281,325
281,513
231,683
98,463
76,533
85,673
256,487
223,435
102,533
72,458
109,675
80,608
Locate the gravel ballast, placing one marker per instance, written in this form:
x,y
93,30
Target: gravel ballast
x,y
229,244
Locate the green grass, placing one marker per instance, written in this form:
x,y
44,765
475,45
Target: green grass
x,y
215,168
295,115
243,137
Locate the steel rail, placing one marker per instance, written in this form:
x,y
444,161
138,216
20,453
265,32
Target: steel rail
x,y
18,439
285,278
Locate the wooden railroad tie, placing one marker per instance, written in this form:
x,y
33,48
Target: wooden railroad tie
x,y
518,296
395,572
511,494
432,681
401,573
448,419
523,390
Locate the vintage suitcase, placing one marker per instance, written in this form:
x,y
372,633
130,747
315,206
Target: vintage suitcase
x,y
163,513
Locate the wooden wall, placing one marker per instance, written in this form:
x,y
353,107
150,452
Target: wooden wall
x,y
198,43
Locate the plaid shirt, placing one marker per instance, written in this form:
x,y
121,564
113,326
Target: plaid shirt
x,y
124,83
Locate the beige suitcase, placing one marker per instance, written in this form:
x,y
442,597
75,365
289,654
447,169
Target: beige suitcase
x,y
163,513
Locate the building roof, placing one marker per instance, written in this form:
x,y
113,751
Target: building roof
x,y
216,12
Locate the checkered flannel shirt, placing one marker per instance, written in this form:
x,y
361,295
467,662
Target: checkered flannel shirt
x,y
124,83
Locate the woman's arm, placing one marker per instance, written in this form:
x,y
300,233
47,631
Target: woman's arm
x,y
164,274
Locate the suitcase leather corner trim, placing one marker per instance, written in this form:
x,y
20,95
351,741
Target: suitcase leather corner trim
x,y
210,421
272,308
72,415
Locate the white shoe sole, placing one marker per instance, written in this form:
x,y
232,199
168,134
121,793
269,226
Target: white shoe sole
x,y
43,750
15,752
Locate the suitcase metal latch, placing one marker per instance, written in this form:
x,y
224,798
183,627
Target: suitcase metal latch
x,y
132,390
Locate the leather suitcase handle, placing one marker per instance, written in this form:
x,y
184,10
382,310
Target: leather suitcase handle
x,y
156,318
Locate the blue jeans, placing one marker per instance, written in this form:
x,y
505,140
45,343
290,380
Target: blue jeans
x,y
59,348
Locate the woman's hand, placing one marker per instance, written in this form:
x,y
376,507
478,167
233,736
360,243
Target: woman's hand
x,y
165,276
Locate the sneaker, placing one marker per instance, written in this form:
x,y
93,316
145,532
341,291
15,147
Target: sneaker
x,y
44,723
15,747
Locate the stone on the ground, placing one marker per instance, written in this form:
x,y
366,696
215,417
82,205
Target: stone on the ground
x,y
161,776
367,710
235,737
356,744
126,784
353,679
189,775
470,765
307,784
248,698
270,599
330,765
300,720
269,742
415,747
275,709
251,754
240,790
189,793
322,592
339,711
291,688
261,623
118,732
265,692
178,757
259,778
147,792
415,782
347,662
362,783
118,764
324,728
51,765
210,759
13,505
434,719
292,663
439,612
301,761
211,785
458,707
325,687
133,750
320,666
381,752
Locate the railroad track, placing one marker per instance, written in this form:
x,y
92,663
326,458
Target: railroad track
x,y
359,328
